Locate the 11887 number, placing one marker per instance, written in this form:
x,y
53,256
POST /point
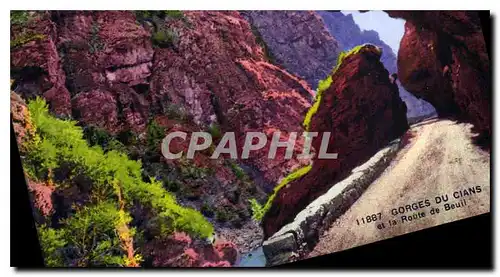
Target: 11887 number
x,y
369,218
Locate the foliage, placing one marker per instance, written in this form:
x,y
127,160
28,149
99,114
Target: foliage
x,y
92,237
207,210
258,211
238,171
19,17
174,14
95,42
214,130
154,135
52,241
164,38
191,171
322,86
24,38
149,15
117,185
225,214
98,136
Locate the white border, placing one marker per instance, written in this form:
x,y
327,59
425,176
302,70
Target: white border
x,y
201,5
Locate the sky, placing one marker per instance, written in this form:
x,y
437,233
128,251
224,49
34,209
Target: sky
x,y
390,30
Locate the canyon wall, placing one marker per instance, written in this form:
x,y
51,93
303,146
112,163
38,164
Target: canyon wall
x,y
134,74
443,59
297,41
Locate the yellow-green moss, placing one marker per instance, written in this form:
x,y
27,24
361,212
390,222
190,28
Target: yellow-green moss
x,y
258,210
25,38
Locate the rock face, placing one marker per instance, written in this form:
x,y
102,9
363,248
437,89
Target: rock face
x,y
298,41
220,74
349,35
106,70
363,112
106,57
36,65
214,69
179,250
22,127
443,59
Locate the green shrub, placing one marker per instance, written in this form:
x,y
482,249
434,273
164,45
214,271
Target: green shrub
x,y
161,36
165,38
238,171
98,136
150,15
189,170
207,210
116,182
52,242
214,131
257,209
19,17
174,14
92,234
225,214
154,135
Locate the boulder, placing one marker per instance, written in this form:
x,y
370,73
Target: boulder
x,y
443,59
363,111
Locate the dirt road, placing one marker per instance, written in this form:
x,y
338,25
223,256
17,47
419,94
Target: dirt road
x,y
438,160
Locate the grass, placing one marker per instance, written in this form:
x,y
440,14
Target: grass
x,y
258,211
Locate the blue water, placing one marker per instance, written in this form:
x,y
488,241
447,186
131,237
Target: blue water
x,y
255,258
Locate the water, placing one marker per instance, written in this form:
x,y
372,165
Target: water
x,y
255,258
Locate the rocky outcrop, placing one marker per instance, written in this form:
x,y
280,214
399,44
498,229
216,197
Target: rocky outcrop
x,y
219,73
107,56
179,250
87,65
443,59
20,120
297,41
35,63
348,34
363,111
214,69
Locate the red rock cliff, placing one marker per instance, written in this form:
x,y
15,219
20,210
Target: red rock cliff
x,y
363,111
443,59
102,69
218,71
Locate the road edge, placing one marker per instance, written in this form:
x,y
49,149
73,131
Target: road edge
x,y
302,234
